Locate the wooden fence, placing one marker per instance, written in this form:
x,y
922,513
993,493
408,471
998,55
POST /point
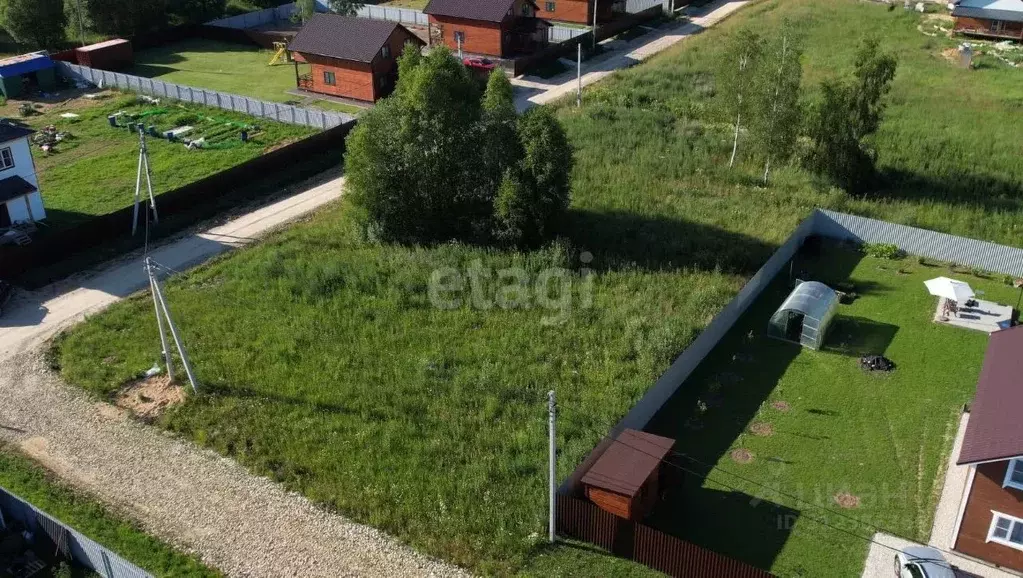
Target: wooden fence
x,y
584,521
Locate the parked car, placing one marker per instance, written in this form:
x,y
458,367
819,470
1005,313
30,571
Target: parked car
x,y
922,562
5,293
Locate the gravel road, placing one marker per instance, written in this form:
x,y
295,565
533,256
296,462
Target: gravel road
x,y
196,499
207,504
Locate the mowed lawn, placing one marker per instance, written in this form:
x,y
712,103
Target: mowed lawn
x,y
26,479
93,171
327,367
882,438
228,67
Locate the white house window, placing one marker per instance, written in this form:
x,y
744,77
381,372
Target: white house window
x,y
549,6
1006,530
385,51
1014,475
6,159
997,26
329,78
459,37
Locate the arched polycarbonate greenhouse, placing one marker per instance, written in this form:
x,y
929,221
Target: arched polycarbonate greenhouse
x,y
805,314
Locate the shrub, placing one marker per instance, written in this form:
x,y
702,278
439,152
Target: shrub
x,y
883,250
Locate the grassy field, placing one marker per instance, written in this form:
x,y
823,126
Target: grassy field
x,y
332,372
24,478
881,438
228,67
93,172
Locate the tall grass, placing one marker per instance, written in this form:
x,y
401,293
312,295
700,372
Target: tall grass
x,y
326,367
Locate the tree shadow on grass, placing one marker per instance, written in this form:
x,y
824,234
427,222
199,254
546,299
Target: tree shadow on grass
x,y
992,193
859,336
621,240
716,406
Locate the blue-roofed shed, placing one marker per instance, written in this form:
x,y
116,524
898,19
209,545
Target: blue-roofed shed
x,y
35,68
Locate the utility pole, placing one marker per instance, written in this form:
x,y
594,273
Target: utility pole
x,y
551,407
579,75
595,3
143,167
81,23
159,320
174,330
458,39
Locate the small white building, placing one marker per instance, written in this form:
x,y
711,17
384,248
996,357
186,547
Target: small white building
x,y
20,201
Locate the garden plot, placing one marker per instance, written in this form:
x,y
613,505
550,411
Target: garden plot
x,y
86,154
783,438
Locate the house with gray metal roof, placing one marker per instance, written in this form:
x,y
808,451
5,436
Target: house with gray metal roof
x,y
1001,19
350,57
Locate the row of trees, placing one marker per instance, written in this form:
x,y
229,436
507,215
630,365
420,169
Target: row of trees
x,y
48,23
762,88
442,160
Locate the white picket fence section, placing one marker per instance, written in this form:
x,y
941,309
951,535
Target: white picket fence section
x,y
270,110
399,15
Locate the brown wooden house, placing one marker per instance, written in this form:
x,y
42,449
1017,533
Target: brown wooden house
x,y
625,479
1001,19
990,521
577,11
350,57
501,28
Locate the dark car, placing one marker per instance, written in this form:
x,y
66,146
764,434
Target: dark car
x,y
5,293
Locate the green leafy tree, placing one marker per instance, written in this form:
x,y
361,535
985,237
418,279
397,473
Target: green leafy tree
x,y
127,17
304,10
737,78
846,118
439,161
413,161
344,7
197,11
501,149
38,23
777,114
534,197
77,14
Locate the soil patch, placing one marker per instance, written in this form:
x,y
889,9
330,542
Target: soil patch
x,y
782,406
149,397
742,456
761,429
847,500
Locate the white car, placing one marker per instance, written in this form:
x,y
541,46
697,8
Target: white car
x,y
922,562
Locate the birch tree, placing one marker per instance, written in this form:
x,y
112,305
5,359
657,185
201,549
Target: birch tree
x,y
739,76
777,112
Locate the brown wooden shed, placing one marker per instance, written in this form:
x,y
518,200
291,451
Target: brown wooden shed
x,y
625,479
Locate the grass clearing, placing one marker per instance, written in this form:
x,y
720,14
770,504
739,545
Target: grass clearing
x,y
225,66
882,438
331,372
21,476
93,172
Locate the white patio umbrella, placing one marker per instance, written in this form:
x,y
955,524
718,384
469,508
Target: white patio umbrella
x,y
949,289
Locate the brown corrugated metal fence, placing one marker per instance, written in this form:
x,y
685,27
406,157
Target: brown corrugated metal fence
x,y
582,520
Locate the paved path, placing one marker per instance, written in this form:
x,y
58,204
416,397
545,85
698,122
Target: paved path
x,y
31,318
207,504
882,553
531,91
